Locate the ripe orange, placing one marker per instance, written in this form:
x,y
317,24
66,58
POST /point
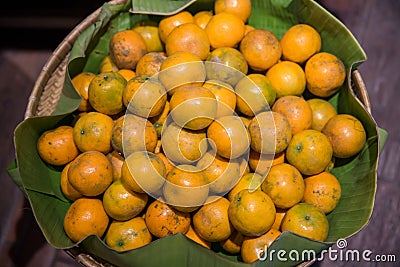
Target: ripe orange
x,y
287,78
127,235
167,162
261,163
211,221
150,63
270,133
107,65
254,94
240,8
296,110
202,18
121,204
225,96
66,188
284,184
160,120
193,235
300,42
116,161
105,92
306,220
169,23
86,216
310,152
261,49
81,83
325,74
57,146
183,145
322,111
234,243
143,172
225,30
127,74
254,248
151,37
347,135
252,213
162,220
185,188
280,213
249,181
229,136
323,191
188,37
126,48
193,107
90,173
93,132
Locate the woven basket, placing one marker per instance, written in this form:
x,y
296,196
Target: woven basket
x,y
49,84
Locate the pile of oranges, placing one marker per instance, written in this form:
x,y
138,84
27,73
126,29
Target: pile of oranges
x,y
203,125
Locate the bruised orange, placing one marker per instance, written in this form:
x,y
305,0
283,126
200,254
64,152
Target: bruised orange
x,y
86,216
162,220
57,146
150,63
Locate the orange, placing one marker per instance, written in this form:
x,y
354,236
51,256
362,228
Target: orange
x,y
252,213
322,111
143,172
193,235
284,185
347,135
188,37
240,8
310,152
86,216
127,74
193,107
127,235
162,220
226,64
121,204
168,164
280,213
182,145
300,42
150,63
107,65
225,96
116,161
211,221
105,92
248,28
306,220
229,136
133,133
234,243
255,94
225,30
93,132
323,191
126,48
261,49
325,74
261,163
296,110
185,188
249,181
222,174
160,119
150,34
66,188
81,83
180,69
57,146
255,248
144,96
90,173
202,18
169,23
287,78
270,132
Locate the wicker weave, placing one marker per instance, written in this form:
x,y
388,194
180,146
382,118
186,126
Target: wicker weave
x,y
48,87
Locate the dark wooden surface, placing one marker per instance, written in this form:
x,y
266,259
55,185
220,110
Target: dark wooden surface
x,y
374,23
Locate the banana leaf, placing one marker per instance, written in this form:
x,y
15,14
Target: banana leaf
x,y
357,175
